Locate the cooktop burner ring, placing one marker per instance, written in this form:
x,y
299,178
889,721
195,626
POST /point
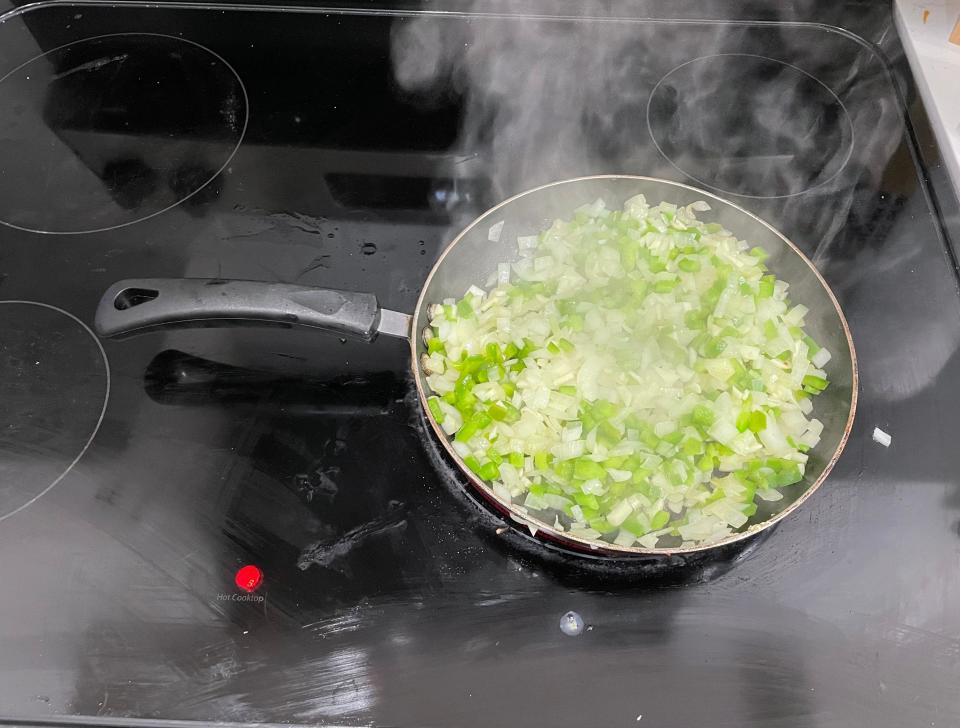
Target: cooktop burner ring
x,y
793,148
92,143
24,492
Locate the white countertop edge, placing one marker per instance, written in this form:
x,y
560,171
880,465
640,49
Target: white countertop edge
x,y
936,67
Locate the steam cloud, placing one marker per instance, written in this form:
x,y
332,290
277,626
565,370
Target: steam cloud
x,y
545,99
549,98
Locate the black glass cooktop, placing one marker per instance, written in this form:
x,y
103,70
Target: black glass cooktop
x,y
254,525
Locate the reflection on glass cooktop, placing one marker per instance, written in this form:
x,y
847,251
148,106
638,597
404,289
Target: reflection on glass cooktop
x,y
254,525
144,122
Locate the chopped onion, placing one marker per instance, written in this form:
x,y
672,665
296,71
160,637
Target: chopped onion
x,y
820,359
635,376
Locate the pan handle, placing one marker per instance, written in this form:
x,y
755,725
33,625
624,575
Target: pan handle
x,y
137,305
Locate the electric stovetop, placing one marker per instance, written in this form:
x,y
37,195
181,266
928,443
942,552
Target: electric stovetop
x,y
254,525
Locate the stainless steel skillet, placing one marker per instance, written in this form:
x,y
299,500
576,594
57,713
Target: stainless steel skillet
x,y
134,306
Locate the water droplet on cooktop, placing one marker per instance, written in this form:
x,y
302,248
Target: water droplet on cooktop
x,y
368,248
749,125
54,386
113,130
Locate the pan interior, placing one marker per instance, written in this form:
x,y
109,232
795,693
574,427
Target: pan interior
x,y
476,252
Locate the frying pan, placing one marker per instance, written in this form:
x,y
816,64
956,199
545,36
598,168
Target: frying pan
x,y
134,306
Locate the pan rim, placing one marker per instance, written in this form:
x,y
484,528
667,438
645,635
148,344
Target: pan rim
x,y
535,525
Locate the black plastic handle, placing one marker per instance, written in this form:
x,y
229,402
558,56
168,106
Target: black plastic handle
x,y
137,305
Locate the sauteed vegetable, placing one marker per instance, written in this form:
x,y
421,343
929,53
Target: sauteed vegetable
x,y
636,376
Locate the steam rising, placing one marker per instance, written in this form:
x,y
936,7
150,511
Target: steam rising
x,y
544,99
797,125
551,98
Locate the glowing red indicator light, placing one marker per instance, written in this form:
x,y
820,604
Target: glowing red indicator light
x,y
248,577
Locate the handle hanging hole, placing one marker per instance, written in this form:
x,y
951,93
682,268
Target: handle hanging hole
x,y
130,297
